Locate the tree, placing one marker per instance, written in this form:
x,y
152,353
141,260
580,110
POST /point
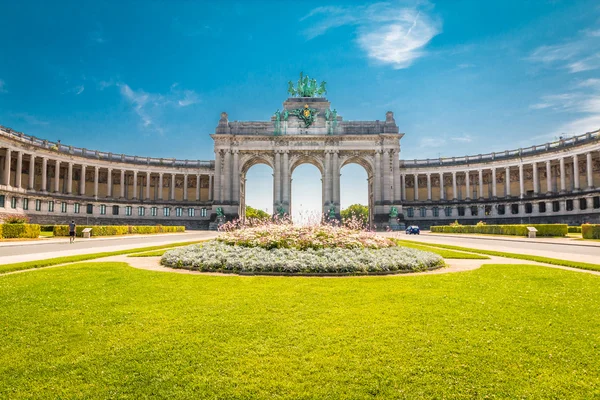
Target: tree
x,y
359,211
255,213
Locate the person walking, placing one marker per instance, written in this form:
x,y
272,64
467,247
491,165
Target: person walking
x,y
72,232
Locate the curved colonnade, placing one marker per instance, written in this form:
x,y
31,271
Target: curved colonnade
x,y
94,187
554,182
54,183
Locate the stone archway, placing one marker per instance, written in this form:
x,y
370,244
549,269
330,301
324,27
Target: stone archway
x,y
366,162
307,131
247,162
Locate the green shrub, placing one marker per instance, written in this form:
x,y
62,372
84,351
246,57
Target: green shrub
x,y
16,219
590,231
574,229
112,230
511,230
47,228
13,231
1,231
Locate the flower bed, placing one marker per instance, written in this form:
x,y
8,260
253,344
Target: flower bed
x,y
217,256
288,236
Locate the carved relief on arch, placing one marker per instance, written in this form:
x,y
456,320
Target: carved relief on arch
x,y
307,157
248,160
364,159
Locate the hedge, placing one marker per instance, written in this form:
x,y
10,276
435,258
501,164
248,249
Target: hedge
x,y
575,229
13,231
47,228
512,230
590,231
111,230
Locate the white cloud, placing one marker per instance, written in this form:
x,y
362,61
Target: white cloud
x,y
462,139
389,34
150,107
583,103
577,55
29,119
3,87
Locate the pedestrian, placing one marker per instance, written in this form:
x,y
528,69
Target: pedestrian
x,y
72,232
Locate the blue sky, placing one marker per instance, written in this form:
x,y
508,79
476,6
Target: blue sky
x,y
151,77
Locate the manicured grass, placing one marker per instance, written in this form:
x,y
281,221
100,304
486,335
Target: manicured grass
x,y
547,260
46,234
105,330
155,253
442,252
84,257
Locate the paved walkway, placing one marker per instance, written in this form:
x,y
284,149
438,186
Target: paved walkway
x,y
561,248
13,252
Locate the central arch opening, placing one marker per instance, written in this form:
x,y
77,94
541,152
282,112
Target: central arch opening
x,y
354,190
307,195
257,188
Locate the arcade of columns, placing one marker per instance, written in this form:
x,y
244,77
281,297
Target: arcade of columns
x,y
492,176
133,184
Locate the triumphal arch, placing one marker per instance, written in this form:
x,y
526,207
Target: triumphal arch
x,y
308,130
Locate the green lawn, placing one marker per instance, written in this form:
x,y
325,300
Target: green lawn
x,y
442,252
519,256
105,330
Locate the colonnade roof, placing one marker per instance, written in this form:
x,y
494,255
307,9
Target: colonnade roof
x,y
561,144
102,155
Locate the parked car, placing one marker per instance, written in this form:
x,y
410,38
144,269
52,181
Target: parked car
x,y
413,230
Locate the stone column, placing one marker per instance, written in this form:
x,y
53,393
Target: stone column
x,y
335,174
198,176
507,182
590,172
563,184
468,184
227,177
494,188
386,175
285,172
235,177
160,185
6,179
96,173
396,175
217,186
172,196
210,187
147,197
19,170
377,185
403,179
44,174
548,178
109,188
277,180
416,187
70,178
521,182
536,182
31,183
454,191
56,176
123,184
185,187
480,183
82,181
442,195
575,173
327,177
428,186
135,186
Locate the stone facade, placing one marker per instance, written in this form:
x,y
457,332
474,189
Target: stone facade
x,y
53,183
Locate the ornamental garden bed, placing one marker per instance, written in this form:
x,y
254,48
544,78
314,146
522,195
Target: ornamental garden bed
x,y
284,249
